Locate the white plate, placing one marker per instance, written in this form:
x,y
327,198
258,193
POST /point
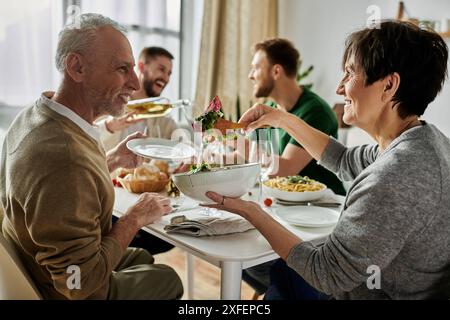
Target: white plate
x,y
161,149
292,195
313,217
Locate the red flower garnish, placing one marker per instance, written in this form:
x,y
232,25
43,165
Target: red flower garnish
x,y
214,106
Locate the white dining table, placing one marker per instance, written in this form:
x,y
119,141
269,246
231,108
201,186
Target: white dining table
x,y
232,253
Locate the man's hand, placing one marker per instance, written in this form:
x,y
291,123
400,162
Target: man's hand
x,y
121,156
122,122
260,116
149,208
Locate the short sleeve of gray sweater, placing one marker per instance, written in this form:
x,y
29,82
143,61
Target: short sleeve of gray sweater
x,y
396,219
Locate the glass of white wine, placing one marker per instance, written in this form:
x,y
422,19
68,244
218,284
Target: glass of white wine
x,y
155,107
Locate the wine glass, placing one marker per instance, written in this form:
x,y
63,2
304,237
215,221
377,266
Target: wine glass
x,y
262,152
266,158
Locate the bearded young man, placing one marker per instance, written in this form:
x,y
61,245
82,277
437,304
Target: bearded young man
x,y
273,72
154,70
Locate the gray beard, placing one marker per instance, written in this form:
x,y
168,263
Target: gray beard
x,y
107,110
115,112
103,107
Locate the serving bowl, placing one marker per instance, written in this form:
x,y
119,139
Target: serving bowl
x,y
231,181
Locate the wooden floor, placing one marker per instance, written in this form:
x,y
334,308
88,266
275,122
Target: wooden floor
x,y
206,276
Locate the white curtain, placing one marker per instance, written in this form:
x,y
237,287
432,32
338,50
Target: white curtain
x,y
230,29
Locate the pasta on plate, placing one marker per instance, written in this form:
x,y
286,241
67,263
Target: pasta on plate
x,y
294,184
294,188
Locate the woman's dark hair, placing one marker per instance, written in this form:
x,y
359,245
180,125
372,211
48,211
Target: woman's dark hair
x,y
282,52
419,56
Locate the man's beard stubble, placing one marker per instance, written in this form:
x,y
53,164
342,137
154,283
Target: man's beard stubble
x,y
108,109
99,105
263,91
102,107
148,88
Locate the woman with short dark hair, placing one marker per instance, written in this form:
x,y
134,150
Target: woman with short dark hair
x,y
396,216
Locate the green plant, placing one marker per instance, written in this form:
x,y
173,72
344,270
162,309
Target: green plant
x,y
303,74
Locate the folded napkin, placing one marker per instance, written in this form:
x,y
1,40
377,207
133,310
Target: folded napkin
x,y
207,226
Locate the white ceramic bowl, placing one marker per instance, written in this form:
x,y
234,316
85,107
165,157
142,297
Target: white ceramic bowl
x,y
294,196
232,181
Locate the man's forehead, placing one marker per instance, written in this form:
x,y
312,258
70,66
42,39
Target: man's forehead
x,y
116,60
160,60
113,46
260,57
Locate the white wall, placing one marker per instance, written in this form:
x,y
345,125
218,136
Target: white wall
x,y
319,28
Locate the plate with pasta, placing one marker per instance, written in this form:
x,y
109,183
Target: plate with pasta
x,y
294,188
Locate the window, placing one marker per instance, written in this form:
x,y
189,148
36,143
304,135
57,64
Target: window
x,y
29,33
150,23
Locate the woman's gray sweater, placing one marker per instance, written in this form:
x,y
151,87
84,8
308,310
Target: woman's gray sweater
x,y
396,219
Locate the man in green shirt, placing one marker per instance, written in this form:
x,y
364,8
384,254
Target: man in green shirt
x,y
274,69
273,72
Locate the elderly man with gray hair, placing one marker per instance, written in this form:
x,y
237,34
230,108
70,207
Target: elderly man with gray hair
x,y
55,184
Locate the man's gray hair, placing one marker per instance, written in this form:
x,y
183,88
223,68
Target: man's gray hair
x,y
81,35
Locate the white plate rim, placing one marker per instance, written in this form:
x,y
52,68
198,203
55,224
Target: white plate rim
x,y
132,144
300,209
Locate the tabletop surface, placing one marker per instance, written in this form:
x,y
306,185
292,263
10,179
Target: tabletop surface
x,y
245,246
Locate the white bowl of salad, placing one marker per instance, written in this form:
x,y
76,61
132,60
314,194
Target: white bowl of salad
x,y
231,181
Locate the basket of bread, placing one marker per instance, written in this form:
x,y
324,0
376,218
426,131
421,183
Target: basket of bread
x,y
149,177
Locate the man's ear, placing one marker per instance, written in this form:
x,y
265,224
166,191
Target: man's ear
x,y
141,66
277,71
391,85
75,66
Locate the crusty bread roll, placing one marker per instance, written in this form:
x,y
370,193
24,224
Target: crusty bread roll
x,y
162,165
140,186
143,179
142,173
122,172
